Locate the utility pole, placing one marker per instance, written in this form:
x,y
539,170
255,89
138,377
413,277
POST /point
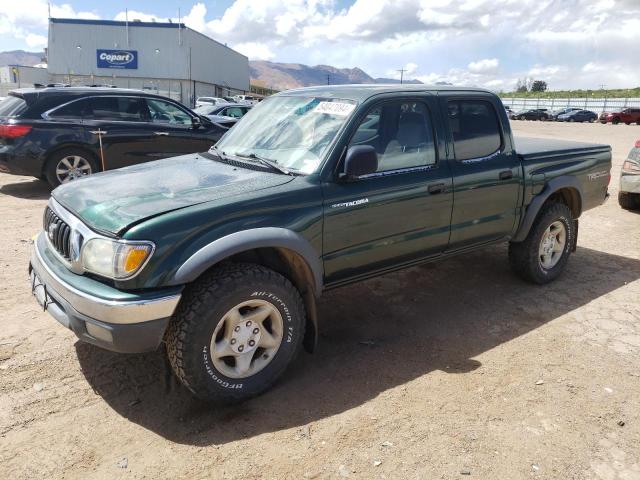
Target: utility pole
x,y
402,70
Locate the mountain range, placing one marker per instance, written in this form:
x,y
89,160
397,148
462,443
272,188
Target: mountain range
x,y
278,76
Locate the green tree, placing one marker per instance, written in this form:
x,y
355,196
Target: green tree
x,y
539,86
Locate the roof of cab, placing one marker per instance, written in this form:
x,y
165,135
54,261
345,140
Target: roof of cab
x,y
361,92
76,90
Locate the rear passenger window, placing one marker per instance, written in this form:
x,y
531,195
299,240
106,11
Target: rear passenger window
x,y
123,109
402,134
12,106
73,111
475,128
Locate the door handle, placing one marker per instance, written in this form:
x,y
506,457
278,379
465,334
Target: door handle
x,y
98,132
506,175
436,188
162,134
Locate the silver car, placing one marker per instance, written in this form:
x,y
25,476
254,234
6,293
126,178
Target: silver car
x,y
629,195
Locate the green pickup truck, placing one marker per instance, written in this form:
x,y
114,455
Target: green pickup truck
x,y
221,256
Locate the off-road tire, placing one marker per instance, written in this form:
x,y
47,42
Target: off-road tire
x,y
203,306
629,201
524,256
49,171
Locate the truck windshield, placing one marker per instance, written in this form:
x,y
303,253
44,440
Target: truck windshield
x,y
293,132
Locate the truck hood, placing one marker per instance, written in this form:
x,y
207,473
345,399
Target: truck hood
x,y
111,202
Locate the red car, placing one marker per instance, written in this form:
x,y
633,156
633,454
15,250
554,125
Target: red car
x,y
626,115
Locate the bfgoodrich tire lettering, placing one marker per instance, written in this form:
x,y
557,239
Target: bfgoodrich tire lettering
x,y
524,256
205,304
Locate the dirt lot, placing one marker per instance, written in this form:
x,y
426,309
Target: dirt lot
x,y
440,371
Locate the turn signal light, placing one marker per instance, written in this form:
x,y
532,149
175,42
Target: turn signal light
x,y
14,131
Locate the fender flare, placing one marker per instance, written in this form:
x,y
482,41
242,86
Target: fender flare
x,y
238,242
564,181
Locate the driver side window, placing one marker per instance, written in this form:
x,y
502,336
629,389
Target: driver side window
x,y
401,133
167,113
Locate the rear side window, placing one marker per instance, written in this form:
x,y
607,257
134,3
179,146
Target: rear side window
x,y
12,106
74,110
122,109
475,128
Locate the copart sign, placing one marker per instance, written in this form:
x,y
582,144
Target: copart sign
x,y
117,59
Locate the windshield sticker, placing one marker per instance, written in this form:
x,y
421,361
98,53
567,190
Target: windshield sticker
x,y
335,108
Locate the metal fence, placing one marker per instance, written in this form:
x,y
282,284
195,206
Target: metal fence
x,y
598,105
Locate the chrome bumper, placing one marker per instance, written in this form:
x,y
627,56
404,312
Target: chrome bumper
x,y
98,308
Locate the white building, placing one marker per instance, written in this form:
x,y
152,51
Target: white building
x,y
167,58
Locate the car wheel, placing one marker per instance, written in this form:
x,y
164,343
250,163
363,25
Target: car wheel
x,y
629,201
627,123
235,332
69,164
543,255
591,120
571,120
615,121
637,122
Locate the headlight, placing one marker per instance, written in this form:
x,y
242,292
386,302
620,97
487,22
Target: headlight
x,y
114,258
631,167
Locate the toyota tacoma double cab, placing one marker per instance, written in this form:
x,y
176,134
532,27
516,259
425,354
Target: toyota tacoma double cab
x,y
220,257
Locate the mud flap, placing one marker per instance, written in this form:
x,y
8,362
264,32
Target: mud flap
x,y
575,237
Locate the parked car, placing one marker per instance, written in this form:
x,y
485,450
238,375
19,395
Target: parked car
x,y
224,115
60,134
510,113
629,195
556,113
246,99
533,114
201,101
230,99
578,116
222,255
626,115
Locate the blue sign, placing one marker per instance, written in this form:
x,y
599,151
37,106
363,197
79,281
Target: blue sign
x,y
117,59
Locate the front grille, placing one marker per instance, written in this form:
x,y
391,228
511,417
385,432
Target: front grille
x,y
58,233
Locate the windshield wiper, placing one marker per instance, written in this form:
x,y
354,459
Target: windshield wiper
x,y
265,161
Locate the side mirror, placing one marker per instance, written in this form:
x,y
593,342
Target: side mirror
x,y
196,122
360,160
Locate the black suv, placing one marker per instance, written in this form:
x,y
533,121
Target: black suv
x,y
59,134
533,114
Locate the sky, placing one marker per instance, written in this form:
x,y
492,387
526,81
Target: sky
x,y
487,43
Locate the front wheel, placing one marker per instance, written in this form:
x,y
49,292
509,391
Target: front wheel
x,y
235,332
543,255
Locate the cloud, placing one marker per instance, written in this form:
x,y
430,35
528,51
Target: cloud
x,y
488,43
486,65
255,51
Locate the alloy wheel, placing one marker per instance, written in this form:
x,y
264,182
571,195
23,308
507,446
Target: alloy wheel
x,y
552,245
246,339
71,167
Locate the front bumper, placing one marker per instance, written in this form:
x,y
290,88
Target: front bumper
x,y
630,183
127,325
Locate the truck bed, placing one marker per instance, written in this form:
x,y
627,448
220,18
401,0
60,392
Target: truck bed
x,y
530,148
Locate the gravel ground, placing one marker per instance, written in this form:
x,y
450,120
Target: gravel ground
x,y
437,372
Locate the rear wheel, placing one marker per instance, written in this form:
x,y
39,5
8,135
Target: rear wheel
x,y
235,332
543,255
629,201
615,121
69,164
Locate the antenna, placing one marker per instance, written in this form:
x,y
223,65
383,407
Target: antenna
x,y
328,75
49,6
126,20
179,27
